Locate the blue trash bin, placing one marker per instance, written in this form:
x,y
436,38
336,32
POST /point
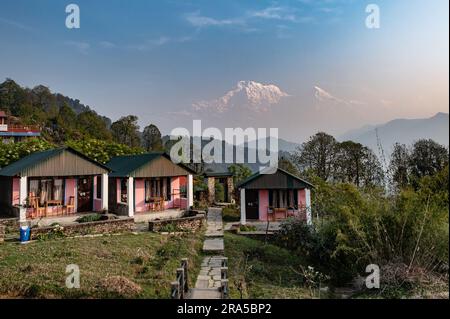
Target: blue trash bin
x,y
24,234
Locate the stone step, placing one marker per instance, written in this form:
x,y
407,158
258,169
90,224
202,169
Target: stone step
x,y
218,233
214,245
205,293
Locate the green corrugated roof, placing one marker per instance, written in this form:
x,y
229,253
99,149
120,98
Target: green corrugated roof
x,y
122,166
19,166
258,174
218,174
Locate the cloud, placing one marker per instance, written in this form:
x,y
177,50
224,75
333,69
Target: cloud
x,y
276,13
180,113
107,45
158,42
16,25
81,47
199,21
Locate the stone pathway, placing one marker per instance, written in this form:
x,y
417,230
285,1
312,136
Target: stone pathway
x,y
209,280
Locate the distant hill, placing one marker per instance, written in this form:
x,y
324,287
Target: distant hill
x,y
404,131
60,116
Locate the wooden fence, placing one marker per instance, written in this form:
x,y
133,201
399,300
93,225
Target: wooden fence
x,y
180,286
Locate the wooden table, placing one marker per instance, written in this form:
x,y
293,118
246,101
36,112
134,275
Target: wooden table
x,y
53,202
158,203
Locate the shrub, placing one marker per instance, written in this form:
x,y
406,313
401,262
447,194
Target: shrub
x,y
360,227
231,214
247,228
90,218
219,192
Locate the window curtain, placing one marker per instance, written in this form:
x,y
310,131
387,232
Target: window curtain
x,y
147,191
57,189
34,187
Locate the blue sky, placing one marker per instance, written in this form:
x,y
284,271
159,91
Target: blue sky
x,y
156,58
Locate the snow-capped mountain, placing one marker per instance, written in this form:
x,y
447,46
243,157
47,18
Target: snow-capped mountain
x,y
249,95
322,95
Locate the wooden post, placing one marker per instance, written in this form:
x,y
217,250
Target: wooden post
x,y
224,261
180,275
175,290
185,265
224,288
223,272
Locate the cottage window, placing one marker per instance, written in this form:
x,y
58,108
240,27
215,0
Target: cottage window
x,y
123,190
157,187
283,198
46,189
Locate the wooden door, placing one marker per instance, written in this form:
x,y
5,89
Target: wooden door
x,y
252,204
84,194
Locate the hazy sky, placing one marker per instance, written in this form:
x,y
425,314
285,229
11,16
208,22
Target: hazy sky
x,y
155,59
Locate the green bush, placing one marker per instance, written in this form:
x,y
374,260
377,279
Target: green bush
x,y
360,227
247,228
220,192
90,218
231,214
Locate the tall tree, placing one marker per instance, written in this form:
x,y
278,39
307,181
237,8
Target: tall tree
x,y
287,165
399,167
240,172
151,138
93,126
427,158
318,155
126,131
357,164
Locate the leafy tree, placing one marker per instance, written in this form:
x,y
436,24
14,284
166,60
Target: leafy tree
x,y
151,138
219,192
427,158
240,172
399,166
102,151
409,164
357,164
287,165
9,153
318,155
126,131
93,126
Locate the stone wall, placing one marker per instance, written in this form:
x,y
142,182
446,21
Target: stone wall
x,y
193,223
2,234
78,229
10,224
211,190
230,189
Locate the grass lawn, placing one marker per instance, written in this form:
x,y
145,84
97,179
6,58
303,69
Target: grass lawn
x,y
146,264
263,271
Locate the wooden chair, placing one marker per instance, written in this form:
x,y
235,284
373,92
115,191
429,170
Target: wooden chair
x,y
271,213
70,205
38,211
291,212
